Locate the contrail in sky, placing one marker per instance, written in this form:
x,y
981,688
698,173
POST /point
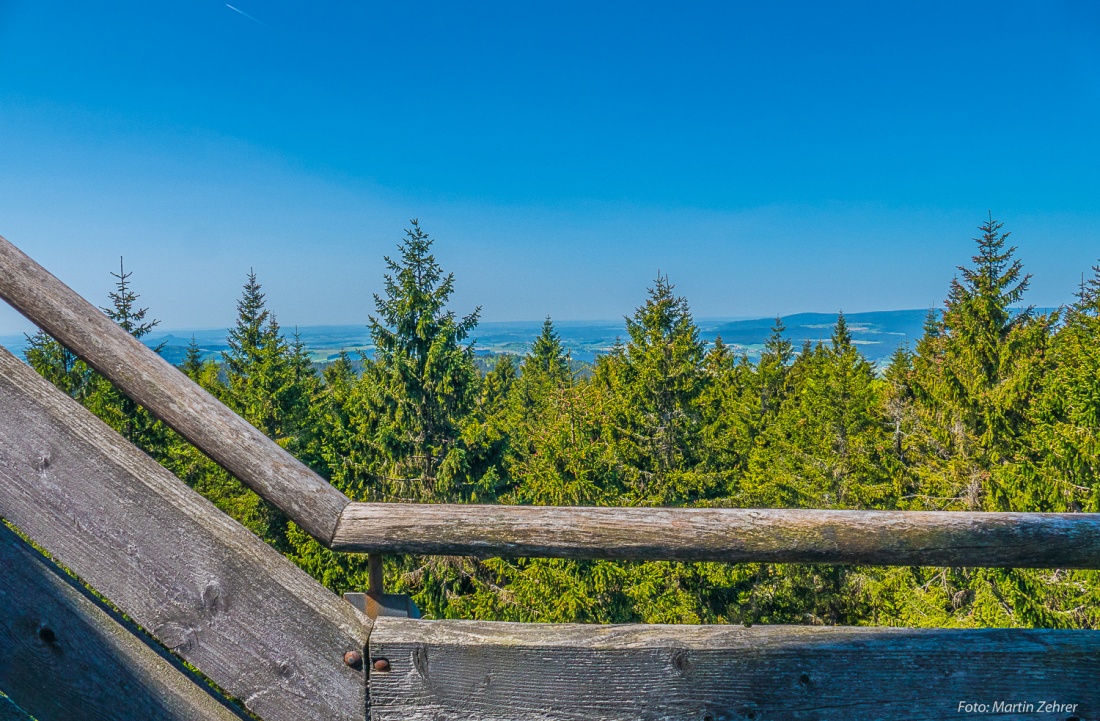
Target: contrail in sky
x,y
242,12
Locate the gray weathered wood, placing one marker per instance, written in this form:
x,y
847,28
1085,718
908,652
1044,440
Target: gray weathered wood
x,y
200,582
64,655
889,538
466,670
147,378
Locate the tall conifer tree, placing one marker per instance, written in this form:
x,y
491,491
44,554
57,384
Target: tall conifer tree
x,y
656,379
131,420
425,378
192,360
976,372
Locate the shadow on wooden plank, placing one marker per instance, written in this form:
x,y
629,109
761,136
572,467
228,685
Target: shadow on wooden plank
x,y
66,655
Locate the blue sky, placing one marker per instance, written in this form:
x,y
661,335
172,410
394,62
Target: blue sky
x,y
770,157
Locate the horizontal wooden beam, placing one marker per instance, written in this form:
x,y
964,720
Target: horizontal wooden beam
x,y
65,655
467,670
144,376
202,584
887,538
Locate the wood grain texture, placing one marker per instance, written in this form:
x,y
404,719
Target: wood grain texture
x,y
889,538
10,712
64,655
200,582
232,442
466,670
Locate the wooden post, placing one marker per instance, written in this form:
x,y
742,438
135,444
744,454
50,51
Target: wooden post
x,y
375,575
376,602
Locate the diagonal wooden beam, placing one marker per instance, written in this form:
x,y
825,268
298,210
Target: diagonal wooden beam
x,y
66,655
10,712
144,376
202,584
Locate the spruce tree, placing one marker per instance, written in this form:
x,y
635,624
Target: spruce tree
x,y
543,374
548,355
554,451
827,446
1060,469
346,428
485,435
985,343
976,372
269,381
424,375
131,420
656,380
58,365
123,309
758,393
245,342
773,369
726,436
77,379
302,392
192,360
265,384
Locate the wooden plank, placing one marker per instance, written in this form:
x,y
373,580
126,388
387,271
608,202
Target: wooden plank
x,y
61,651
200,582
888,538
10,712
466,670
144,376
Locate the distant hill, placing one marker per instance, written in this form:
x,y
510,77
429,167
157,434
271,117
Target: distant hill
x,y
877,333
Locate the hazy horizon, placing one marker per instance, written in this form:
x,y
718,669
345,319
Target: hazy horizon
x,y
876,333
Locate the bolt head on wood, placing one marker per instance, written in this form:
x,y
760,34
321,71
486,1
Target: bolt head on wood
x,y
381,665
353,659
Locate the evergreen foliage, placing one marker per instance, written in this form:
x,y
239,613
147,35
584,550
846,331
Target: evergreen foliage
x,y
994,408
61,367
653,385
423,379
192,360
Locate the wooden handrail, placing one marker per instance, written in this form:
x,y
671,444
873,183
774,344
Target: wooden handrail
x,y
144,376
887,538
687,534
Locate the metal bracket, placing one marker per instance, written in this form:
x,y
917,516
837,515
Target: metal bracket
x,y
375,603
390,604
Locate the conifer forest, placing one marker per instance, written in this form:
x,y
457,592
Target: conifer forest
x,y
996,408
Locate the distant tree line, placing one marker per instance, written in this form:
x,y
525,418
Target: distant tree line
x,y
996,408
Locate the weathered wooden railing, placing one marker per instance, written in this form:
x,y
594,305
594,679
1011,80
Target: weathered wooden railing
x,y
286,648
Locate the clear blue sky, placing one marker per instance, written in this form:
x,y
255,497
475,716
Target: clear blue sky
x,y
770,157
